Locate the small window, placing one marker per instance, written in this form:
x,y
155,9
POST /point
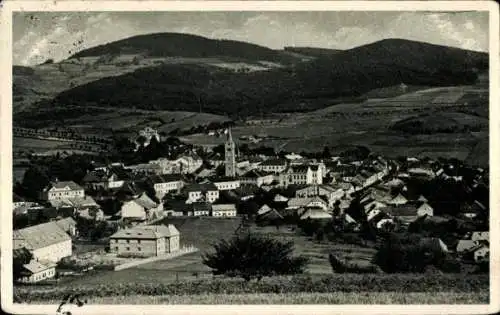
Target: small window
x,y
139,249
128,241
116,248
128,248
138,241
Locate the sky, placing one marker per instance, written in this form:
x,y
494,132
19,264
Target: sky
x,y
38,36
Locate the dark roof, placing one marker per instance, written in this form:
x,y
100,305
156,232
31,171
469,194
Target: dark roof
x,y
274,162
201,187
402,211
96,176
299,168
253,174
201,206
166,178
60,185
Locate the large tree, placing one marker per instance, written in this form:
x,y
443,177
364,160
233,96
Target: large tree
x,y
254,257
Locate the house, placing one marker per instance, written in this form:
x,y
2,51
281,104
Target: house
x,y
293,157
201,208
68,225
145,169
46,241
273,166
226,183
315,214
295,203
145,241
164,184
224,210
406,213
425,209
398,200
35,271
62,190
102,179
207,192
280,198
270,215
264,209
330,193
246,191
141,208
301,174
481,236
78,203
466,245
255,177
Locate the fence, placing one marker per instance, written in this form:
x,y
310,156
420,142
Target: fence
x,y
180,252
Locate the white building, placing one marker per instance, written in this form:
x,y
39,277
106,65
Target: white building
x,y
62,190
202,192
224,210
273,166
164,184
46,242
301,175
226,183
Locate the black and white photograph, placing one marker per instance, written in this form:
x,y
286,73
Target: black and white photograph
x,y
228,156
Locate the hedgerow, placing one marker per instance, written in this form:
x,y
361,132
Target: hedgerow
x,y
295,284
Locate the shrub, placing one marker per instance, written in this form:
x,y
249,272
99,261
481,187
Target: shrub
x,y
251,257
343,267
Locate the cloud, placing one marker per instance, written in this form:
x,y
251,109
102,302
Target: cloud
x,y
58,35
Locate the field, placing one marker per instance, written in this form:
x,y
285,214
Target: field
x,y
416,287
368,123
302,298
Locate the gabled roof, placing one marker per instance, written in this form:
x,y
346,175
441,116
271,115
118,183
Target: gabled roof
x,y
224,207
300,168
402,210
39,236
35,266
201,206
66,224
315,214
264,209
166,178
147,232
62,185
270,215
201,187
398,199
280,198
254,174
274,162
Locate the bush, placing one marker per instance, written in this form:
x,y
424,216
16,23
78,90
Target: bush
x,y
407,254
251,257
343,267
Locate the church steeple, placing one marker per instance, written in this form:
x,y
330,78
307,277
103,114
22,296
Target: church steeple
x,y
230,155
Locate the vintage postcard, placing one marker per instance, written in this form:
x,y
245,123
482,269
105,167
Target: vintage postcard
x,y
222,157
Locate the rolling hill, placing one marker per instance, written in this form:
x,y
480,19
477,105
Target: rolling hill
x,y
344,75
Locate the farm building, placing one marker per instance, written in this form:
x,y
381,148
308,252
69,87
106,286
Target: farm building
x,y
273,165
35,271
202,192
145,241
315,214
46,241
224,210
141,208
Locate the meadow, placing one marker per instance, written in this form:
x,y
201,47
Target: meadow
x,y
470,287
361,297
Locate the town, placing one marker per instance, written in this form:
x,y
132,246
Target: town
x,y
77,215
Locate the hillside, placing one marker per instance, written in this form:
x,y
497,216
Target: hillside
x,y
312,51
186,45
346,75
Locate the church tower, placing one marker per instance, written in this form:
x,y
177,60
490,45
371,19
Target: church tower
x,y
230,155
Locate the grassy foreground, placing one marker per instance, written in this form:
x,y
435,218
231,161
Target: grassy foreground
x,y
481,297
391,288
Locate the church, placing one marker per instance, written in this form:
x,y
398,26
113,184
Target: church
x,y
230,156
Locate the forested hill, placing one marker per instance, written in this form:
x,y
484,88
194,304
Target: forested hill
x,y
186,45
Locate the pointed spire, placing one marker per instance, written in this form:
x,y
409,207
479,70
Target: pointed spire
x,y
229,136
